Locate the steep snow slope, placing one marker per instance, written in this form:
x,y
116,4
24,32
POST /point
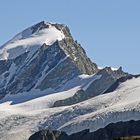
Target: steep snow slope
x,y
21,120
29,41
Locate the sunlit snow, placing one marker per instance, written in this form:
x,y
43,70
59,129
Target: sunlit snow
x,y
29,42
28,117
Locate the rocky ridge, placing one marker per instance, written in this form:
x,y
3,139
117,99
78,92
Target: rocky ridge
x,y
49,66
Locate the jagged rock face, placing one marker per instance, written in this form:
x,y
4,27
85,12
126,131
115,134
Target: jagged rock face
x,y
76,52
110,132
48,135
48,66
108,78
107,83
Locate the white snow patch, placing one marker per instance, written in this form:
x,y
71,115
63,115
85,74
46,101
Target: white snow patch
x,y
112,68
100,67
83,81
27,42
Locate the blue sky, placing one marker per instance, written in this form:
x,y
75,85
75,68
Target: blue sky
x,y
109,30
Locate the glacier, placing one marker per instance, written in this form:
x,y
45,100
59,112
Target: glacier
x,y
97,112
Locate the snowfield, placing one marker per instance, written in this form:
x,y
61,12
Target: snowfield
x,y
22,113
20,120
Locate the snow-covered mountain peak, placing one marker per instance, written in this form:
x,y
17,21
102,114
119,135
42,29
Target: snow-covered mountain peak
x,y
42,56
31,31
30,40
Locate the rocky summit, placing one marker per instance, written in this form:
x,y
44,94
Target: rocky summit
x,y
51,90
26,64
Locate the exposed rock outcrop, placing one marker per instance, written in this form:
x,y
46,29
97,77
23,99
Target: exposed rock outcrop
x,y
110,132
108,82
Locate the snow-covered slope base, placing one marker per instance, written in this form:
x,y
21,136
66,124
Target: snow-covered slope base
x,y
24,110
21,120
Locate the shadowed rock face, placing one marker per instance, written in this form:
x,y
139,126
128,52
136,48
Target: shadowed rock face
x,y
129,138
108,78
57,63
48,135
110,132
108,82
